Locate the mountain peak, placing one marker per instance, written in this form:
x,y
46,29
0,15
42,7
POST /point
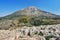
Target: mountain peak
x,y
32,8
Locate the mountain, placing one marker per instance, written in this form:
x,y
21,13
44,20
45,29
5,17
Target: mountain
x,y
33,13
30,11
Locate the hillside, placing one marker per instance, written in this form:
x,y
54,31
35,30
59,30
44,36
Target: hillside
x,y
31,11
31,16
30,24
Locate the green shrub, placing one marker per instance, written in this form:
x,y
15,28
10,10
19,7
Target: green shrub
x,y
36,22
24,19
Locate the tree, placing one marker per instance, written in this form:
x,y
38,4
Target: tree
x,y
25,20
36,22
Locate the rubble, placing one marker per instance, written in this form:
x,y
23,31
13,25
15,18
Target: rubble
x,y
43,32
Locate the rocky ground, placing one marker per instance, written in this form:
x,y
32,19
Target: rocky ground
x,y
43,32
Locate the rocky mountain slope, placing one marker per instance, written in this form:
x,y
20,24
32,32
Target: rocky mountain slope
x,y
31,11
13,29
36,13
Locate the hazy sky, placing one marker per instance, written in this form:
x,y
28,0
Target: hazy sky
x,y
10,6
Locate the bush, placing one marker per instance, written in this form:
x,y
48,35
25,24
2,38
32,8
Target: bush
x,y
35,22
46,22
25,20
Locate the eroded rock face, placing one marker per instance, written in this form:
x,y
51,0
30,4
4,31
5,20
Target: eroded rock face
x,y
45,32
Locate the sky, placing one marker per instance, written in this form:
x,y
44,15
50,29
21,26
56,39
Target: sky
x,y
10,6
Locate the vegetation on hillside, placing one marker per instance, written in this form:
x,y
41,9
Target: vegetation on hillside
x,y
34,21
